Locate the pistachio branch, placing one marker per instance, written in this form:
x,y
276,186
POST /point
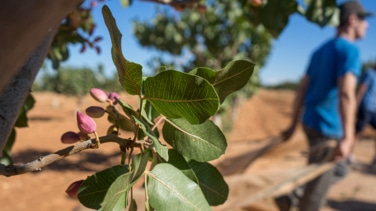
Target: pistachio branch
x,y
36,165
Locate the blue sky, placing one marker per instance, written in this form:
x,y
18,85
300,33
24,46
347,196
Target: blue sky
x,y
287,61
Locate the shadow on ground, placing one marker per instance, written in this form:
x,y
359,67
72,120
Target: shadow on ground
x,y
43,118
351,205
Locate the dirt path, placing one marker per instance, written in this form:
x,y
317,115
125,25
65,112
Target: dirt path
x,y
265,115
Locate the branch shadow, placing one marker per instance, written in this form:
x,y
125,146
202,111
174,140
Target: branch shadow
x,y
42,118
351,205
88,161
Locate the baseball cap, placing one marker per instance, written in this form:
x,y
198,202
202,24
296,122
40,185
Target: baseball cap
x,y
352,7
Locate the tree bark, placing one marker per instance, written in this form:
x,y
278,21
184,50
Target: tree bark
x,y
23,27
15,94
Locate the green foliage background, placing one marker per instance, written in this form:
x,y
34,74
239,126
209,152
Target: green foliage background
x,y
213,38
76,81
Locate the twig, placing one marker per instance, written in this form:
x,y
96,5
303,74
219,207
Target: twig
x,y
36,165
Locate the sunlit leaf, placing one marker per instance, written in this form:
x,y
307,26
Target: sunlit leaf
x,y
203,142
130,74
116,197
179,95
228,80
169,189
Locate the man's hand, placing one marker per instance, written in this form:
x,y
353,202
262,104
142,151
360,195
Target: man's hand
x,y
343,149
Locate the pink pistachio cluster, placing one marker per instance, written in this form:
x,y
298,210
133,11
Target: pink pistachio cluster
x,y
85,124
102,96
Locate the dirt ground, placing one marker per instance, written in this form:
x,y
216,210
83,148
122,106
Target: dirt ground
x,y
263,116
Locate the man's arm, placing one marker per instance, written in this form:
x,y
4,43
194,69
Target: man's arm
x,y
297,107
347,105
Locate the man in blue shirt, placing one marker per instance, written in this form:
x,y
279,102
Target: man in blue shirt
x,y
326,103
366,98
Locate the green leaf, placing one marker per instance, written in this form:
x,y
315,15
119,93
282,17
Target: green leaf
x,y
203,142
180,95
159,148
11,139
93,190
117,195
323,12
6,158
126,3
162,68
204,72
22,120
211,182
169,189
233,77
139,163
130,74
148,207
179,162
120,120
126,124
275,15
149,113
128,110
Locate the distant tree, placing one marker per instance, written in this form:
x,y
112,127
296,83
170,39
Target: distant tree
x,y
76,81
213,38
287,85
210,39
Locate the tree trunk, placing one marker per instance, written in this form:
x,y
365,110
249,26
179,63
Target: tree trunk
x,y
15,94
24,26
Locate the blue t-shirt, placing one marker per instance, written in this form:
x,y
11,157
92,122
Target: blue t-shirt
x,y
328,63
369,99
